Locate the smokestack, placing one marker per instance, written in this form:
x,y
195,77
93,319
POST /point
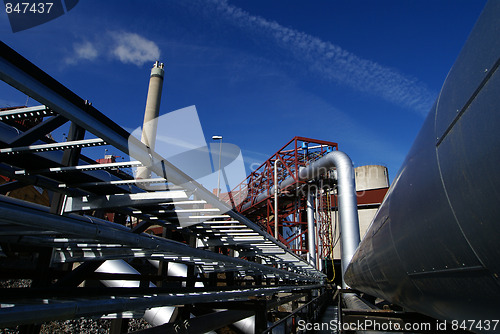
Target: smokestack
x,y
151,113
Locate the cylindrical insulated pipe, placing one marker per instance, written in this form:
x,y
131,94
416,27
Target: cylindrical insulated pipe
x,y
150,125
348,204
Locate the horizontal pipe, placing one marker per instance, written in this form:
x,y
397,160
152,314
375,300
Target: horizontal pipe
x,y
19,212
27,314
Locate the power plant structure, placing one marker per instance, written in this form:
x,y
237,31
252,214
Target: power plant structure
x,y
307,240
289,207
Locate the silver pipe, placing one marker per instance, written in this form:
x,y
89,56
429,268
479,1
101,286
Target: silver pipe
x,y
348,205
354,302
276,189
218,173
311,243
27,314
317,230
19,212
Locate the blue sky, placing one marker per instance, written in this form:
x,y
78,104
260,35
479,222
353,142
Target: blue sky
x,y
360,73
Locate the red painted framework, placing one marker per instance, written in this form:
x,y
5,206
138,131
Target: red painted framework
x,y
258,204
257,201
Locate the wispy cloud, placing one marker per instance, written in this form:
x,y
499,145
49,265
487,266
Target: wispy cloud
x,y
133,48
83,51
332,62
126,47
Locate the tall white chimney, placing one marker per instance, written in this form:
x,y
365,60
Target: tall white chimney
x,y
151,113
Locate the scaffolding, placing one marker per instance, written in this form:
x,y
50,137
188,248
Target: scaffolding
x,y
277,198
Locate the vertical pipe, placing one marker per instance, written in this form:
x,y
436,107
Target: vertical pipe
x,y
151,113
218,175
348,210
276,188
347,201
317,231
311,245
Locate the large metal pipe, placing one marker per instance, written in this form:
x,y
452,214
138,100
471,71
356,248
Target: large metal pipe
x,y
433,245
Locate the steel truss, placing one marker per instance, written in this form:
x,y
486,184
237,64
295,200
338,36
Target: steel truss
x,y
291,217
91,219
259,205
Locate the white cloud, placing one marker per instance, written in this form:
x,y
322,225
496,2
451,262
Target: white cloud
x,y
127,47
83,51
86,50
133,48
332,62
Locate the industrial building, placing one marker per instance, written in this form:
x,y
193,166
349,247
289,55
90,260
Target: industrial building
x,y
304,240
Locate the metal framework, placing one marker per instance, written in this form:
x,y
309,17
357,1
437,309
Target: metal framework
x,y
289,208
259,205
95,216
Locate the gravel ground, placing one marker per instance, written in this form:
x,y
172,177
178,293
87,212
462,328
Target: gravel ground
x,y
75,326
81,326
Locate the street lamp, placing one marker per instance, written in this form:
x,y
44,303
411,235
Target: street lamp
x,y
220,156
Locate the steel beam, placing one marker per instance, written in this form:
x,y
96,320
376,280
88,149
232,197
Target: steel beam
x,y
38,132
26,112
54,146
121,200
114,165
141,182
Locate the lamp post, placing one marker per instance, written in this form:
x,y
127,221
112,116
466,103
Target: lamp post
x,y
220,157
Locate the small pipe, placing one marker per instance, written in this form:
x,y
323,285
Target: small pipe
x,y
317,229
218,174
311,244
276,189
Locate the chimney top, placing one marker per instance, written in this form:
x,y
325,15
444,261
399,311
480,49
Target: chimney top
x,y
158,64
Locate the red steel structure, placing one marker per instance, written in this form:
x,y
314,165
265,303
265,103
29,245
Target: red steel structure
x,y
256,197
258,190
